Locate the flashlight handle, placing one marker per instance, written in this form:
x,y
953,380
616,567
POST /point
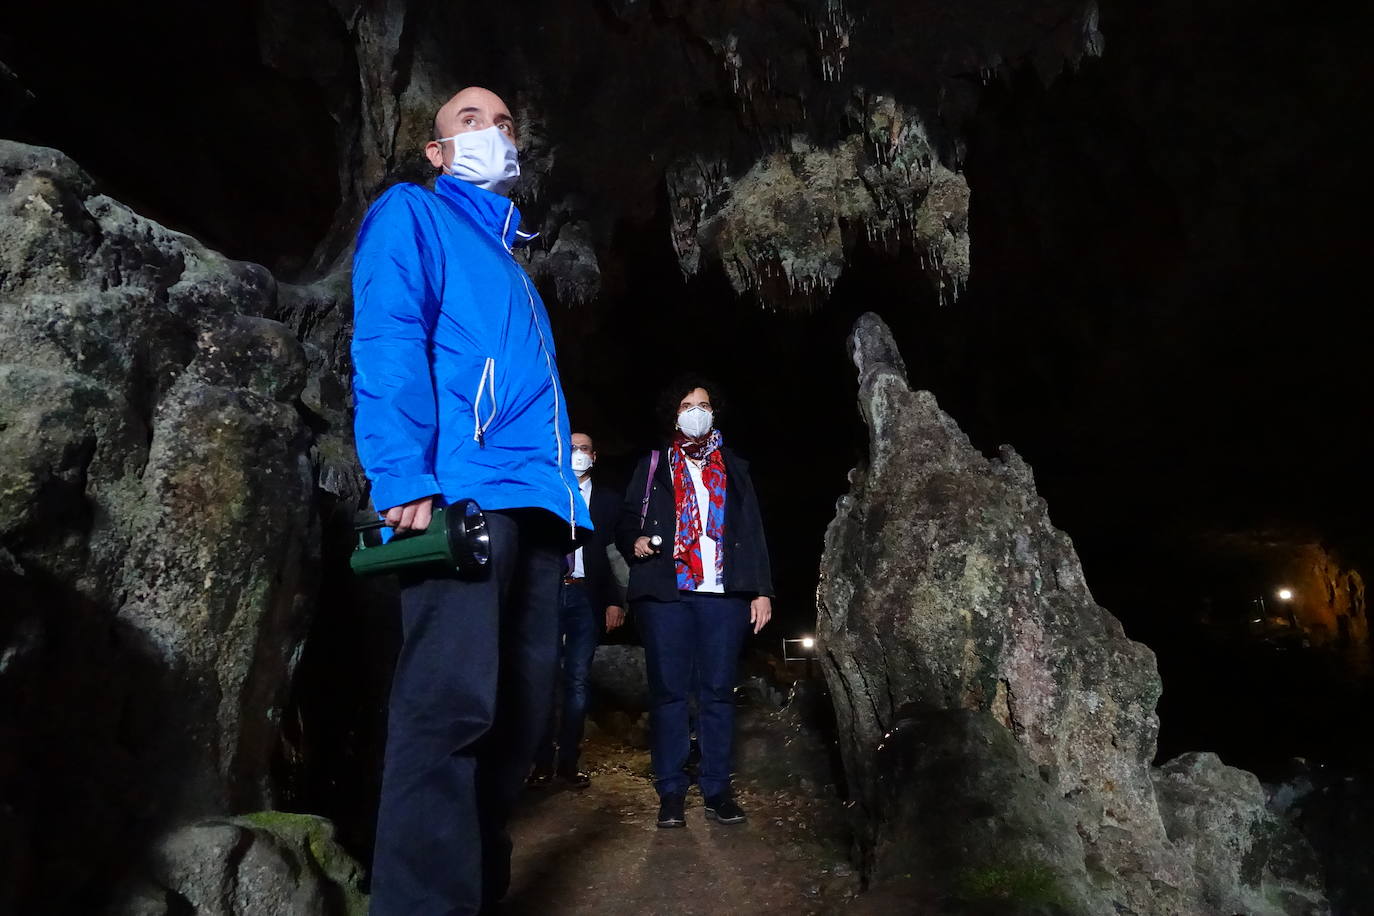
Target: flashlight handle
x,y
360,527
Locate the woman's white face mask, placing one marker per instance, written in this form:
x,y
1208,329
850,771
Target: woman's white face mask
x,y
486,158
695,422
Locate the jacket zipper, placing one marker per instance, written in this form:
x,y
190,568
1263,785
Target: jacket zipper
x,y
488,386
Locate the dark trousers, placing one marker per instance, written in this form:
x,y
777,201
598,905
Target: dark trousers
x,y
580,630
471,694
692,645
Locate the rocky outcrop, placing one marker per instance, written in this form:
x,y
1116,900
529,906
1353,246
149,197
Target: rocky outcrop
x,y
158,533
945,587
263,864
1244,857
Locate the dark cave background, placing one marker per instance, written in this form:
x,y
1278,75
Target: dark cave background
x,y
1167,314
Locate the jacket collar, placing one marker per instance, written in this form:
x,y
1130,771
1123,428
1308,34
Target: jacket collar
x,y
497,214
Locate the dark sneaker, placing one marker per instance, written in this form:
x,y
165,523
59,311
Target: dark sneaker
x,y
723,810
539,779
672,811
574,779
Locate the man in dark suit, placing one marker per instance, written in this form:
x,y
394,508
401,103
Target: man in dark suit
x,y
590,596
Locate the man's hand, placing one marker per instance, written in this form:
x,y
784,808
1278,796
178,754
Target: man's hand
x,y
615,616
644,547
411,516
760,612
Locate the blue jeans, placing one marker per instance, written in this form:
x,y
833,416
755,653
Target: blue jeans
x,y
692,645
580,633
454,764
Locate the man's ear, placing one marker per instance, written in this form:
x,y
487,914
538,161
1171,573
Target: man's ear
x,y
434,152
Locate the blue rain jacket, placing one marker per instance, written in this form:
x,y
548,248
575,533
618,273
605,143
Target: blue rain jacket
x,y
455,378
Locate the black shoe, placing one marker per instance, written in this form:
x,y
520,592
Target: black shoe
x,y
671,811
723,810
539,779
574,779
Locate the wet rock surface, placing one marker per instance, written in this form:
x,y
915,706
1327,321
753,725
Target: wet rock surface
x,y
945,586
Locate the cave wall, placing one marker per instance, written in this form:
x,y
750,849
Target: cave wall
x,y
789,156
160,543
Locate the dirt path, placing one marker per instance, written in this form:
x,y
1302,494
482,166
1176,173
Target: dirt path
x,y
597,851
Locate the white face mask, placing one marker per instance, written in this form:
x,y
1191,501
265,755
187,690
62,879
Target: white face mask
x,y
486,158
582,462
695,422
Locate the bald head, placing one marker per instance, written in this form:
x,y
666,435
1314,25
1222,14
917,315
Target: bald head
x,y
474,108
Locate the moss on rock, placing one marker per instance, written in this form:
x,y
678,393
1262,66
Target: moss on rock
x,y
314,837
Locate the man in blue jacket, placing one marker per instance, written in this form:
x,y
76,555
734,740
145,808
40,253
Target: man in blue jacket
x,y
458,396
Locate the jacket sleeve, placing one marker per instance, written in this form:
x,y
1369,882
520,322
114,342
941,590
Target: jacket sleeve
x,y
619,577
764,569
627,529
605,510
395,304
765,562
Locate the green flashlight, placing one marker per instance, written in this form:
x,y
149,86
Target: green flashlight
x,y
457,540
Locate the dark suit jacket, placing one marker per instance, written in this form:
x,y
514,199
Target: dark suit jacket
x,y
601,585
747,569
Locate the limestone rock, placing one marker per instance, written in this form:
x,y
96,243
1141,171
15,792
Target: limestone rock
x,y
814,126
945,586
1218,819
158,526
974,821
787,226
618,678
264,864
569,266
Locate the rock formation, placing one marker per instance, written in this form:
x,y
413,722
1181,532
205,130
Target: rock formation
x,y
829,157
160,540
261,863
951,609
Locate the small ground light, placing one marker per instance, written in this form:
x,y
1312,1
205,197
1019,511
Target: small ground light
x,y
808,642
1285,594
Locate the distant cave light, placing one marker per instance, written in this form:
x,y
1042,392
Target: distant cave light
x,y
1285,594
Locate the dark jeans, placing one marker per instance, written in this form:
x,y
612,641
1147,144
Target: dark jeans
x,y
581,630
469,700
692,644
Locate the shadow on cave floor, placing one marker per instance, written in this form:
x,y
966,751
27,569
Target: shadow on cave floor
x,y
598,851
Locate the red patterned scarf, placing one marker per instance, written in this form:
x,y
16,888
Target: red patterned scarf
x,y
687,539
